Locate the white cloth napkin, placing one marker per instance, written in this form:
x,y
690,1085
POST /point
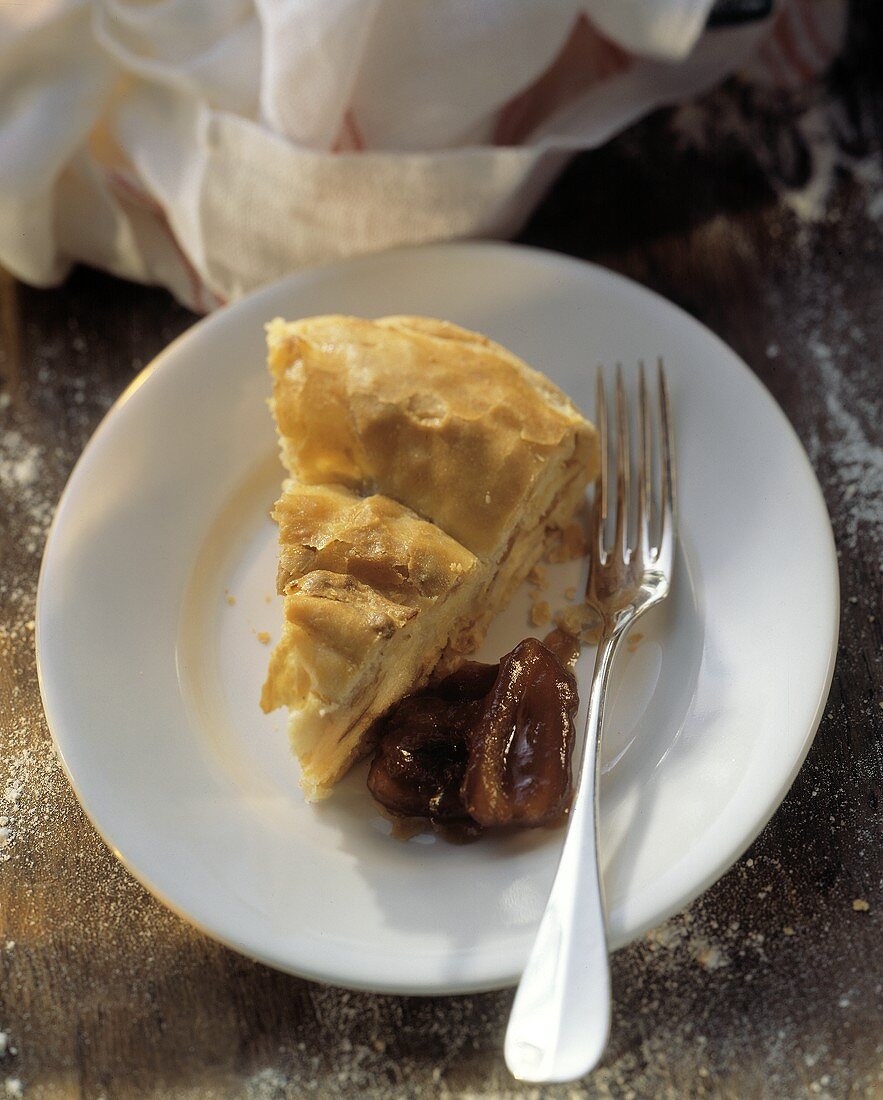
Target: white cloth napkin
x,y
214,145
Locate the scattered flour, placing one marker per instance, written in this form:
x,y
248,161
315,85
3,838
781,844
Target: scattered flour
x,y
267,1084
23,491
810,201
852,456
804,164
25,769
20,470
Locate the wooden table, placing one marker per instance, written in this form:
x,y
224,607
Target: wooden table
x,y
771,985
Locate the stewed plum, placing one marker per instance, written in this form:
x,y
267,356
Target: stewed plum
x,y
487,746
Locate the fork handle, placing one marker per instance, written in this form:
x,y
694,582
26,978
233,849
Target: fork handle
x,y
560,1018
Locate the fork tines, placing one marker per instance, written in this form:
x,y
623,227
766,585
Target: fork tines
x,y
653,534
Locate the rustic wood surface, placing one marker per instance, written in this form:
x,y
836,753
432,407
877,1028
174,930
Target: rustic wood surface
x,y
763,217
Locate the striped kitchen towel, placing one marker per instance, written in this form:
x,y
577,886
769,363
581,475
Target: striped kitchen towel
x,y
214,145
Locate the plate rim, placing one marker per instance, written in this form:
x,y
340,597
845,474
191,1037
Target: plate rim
x,y
161,362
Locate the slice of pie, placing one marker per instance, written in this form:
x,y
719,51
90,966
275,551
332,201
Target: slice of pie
x,y
428,468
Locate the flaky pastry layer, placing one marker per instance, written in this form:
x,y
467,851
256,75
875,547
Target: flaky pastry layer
x,y
428,468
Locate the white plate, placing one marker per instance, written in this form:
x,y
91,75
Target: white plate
x,y
150,678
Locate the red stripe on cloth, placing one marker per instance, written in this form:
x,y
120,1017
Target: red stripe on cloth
x,y
810,25
350,139
196,284
119,181
769,55
355,133
784,35
586,59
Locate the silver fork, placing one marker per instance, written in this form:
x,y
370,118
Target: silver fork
x,y
561,1015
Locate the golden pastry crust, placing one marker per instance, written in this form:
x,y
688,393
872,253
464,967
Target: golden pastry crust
x,y
430,468
440,419
362,578
332,624
373,539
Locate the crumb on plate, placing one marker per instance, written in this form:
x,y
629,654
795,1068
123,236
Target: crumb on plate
x,y
569,546
580,619
540,613
537,577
